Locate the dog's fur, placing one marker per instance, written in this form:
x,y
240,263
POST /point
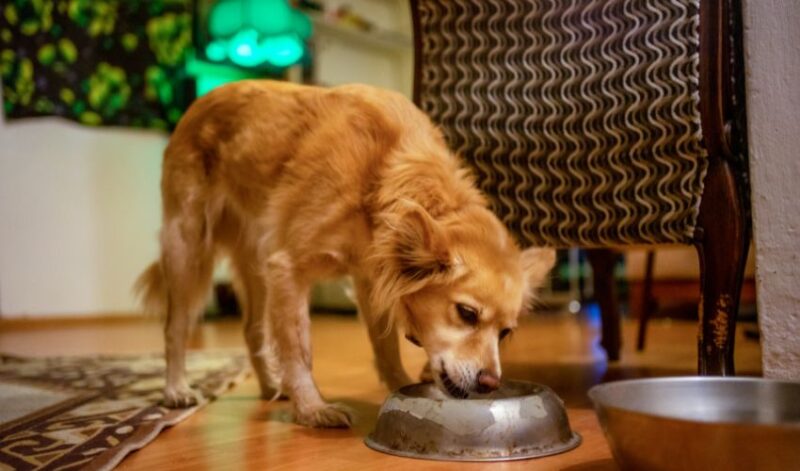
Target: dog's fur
x,y
299,183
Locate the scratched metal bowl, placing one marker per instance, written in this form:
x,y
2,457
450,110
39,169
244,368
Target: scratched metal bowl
x,y
696,423
518,421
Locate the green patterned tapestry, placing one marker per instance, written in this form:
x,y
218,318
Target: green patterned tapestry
x,y
98,62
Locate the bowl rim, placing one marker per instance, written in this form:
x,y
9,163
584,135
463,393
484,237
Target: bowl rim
x,y
596,390
398,393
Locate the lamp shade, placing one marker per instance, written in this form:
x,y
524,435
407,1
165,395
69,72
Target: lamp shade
x,y
255,33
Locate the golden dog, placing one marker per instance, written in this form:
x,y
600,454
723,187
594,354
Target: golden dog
x,y
298,183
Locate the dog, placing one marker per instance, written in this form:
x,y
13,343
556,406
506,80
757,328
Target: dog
x,y
297,183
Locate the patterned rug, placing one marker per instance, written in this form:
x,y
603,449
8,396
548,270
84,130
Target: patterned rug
x,y
90,412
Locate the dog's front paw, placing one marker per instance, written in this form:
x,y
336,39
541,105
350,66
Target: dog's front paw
x,y
325,415
180,397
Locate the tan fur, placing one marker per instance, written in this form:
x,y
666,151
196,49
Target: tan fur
x,y
296,184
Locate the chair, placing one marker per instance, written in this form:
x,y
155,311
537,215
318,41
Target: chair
x,y
598,124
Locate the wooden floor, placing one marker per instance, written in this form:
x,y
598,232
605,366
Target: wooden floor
x,y
239,431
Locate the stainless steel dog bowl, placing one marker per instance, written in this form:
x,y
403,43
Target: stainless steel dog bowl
x,y
518,421
701,423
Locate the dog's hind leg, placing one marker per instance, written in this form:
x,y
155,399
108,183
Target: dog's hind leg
x,y
287,304
383,336
252,293
187,262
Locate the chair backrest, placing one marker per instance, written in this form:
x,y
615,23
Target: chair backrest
x,y
581,118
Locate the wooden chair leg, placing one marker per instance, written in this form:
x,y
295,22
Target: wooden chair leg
x,y
723,241
648,302
603,261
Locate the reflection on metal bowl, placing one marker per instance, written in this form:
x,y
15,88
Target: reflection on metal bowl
x,y
518,421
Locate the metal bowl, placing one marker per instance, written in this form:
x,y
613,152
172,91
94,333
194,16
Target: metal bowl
x,y
701,423
518,421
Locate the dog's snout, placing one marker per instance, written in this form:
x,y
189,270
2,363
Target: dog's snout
x,y
487,382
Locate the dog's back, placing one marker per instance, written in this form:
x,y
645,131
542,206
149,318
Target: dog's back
x,y
279,155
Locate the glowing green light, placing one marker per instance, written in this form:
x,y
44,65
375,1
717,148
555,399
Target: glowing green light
x,y
225,18
252,33
210,76
302,25
206,83
216,51
271,17
244,50
282,51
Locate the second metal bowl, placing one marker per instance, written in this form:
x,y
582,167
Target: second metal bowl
x,y
695,423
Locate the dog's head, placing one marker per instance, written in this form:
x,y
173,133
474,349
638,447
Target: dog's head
x,y
458,285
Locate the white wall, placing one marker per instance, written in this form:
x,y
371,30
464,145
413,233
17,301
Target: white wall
x,y
79,214
772,44
341,59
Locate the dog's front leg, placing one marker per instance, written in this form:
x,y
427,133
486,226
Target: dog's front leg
x,y
383,336
287,303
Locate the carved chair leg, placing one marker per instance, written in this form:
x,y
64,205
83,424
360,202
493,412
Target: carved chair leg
x,y
602,261
723,241
648,302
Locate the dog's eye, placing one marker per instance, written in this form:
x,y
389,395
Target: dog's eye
x,y
504,333
467,314
413,340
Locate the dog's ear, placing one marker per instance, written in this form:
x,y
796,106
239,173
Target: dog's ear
x,y
421,245
412,249
536,265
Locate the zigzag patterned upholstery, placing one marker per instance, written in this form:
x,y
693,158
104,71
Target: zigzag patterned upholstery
x,y
580,117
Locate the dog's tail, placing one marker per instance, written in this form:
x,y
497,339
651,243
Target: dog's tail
x,y
151,290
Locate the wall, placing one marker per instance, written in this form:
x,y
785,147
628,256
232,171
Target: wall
x,y
342,58
79,214
772,43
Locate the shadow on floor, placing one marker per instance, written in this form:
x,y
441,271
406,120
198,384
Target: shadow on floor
x,y
364,417
572,381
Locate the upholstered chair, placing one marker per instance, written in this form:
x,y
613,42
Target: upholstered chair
x,y
600,124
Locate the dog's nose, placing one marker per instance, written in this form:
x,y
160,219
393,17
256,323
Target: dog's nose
x,y
487,382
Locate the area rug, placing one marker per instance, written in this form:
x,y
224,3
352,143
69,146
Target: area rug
x,y
89,412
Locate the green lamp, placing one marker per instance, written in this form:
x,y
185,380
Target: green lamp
x,y
257,33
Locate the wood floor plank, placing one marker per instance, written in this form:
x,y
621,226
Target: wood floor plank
x,y
240,431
